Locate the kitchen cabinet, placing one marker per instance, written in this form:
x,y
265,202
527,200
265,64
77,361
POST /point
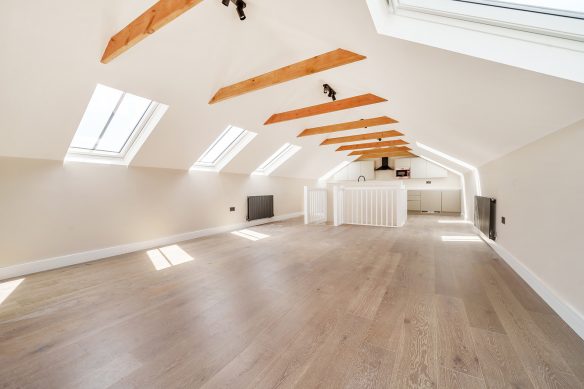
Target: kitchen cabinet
x,y
414,205
420,168
355,169
414,200
431,201
341,175
435,171
402,163
367,169
451,201
434,200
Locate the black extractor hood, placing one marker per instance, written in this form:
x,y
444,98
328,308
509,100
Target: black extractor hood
x,y
384,164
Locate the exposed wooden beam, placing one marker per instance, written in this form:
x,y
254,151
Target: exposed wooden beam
x,y
394,150
410,155
313,65
368,157
363,123
387,143
156,17
360,137
339,105
381,150
385,154
376,156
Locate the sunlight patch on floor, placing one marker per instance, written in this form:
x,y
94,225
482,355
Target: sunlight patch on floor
x,y
165,257
454,222
6,288
250,234
461,238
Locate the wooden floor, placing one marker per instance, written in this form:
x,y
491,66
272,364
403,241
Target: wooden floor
x,y
306,306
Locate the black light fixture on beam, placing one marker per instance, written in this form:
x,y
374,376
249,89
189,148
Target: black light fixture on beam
x,y
239,6
330,91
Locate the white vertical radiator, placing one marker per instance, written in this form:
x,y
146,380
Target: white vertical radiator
x,y
384,206
315,206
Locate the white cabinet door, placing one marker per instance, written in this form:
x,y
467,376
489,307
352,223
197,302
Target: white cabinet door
x,y
418,168
451,201
402,163
431,200
353,171
435,171
414,200
367,169
342,174
414,205
414,194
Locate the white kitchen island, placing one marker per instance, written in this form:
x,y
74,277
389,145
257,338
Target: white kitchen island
x,y
383,204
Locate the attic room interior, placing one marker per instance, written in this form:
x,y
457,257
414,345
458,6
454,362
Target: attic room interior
x,y
291,194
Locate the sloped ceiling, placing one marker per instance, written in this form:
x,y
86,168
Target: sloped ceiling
x,y
469,108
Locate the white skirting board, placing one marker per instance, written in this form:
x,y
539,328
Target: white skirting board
x,y
94,255
567,312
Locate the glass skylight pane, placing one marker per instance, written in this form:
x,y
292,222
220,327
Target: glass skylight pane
x,y
562,5
125,120
114,127
277,159
102,104
221,152
277,155
221,145
571,8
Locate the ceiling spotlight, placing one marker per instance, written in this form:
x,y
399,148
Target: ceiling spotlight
x,y
239,6
330,91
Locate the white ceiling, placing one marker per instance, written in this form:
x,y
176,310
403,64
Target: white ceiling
x,y
470,108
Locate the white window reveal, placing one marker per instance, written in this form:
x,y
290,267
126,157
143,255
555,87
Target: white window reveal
x,y
277,159
566,8
230,143
114,127
563,19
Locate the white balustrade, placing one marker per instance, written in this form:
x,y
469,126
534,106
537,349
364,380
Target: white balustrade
x,y
375,205
315,205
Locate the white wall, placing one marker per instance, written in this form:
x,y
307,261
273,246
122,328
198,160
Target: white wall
x,y
540,191
470,192
49,209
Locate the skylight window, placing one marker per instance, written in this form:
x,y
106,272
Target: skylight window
x,y
334,170
566,8
114,126
224,149
277,159
547,19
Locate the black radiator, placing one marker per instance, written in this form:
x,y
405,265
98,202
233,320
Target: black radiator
x,y
260,207
485,216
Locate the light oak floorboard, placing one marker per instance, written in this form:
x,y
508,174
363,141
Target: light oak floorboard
x,y
455,346
500,365
308,306
450,379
